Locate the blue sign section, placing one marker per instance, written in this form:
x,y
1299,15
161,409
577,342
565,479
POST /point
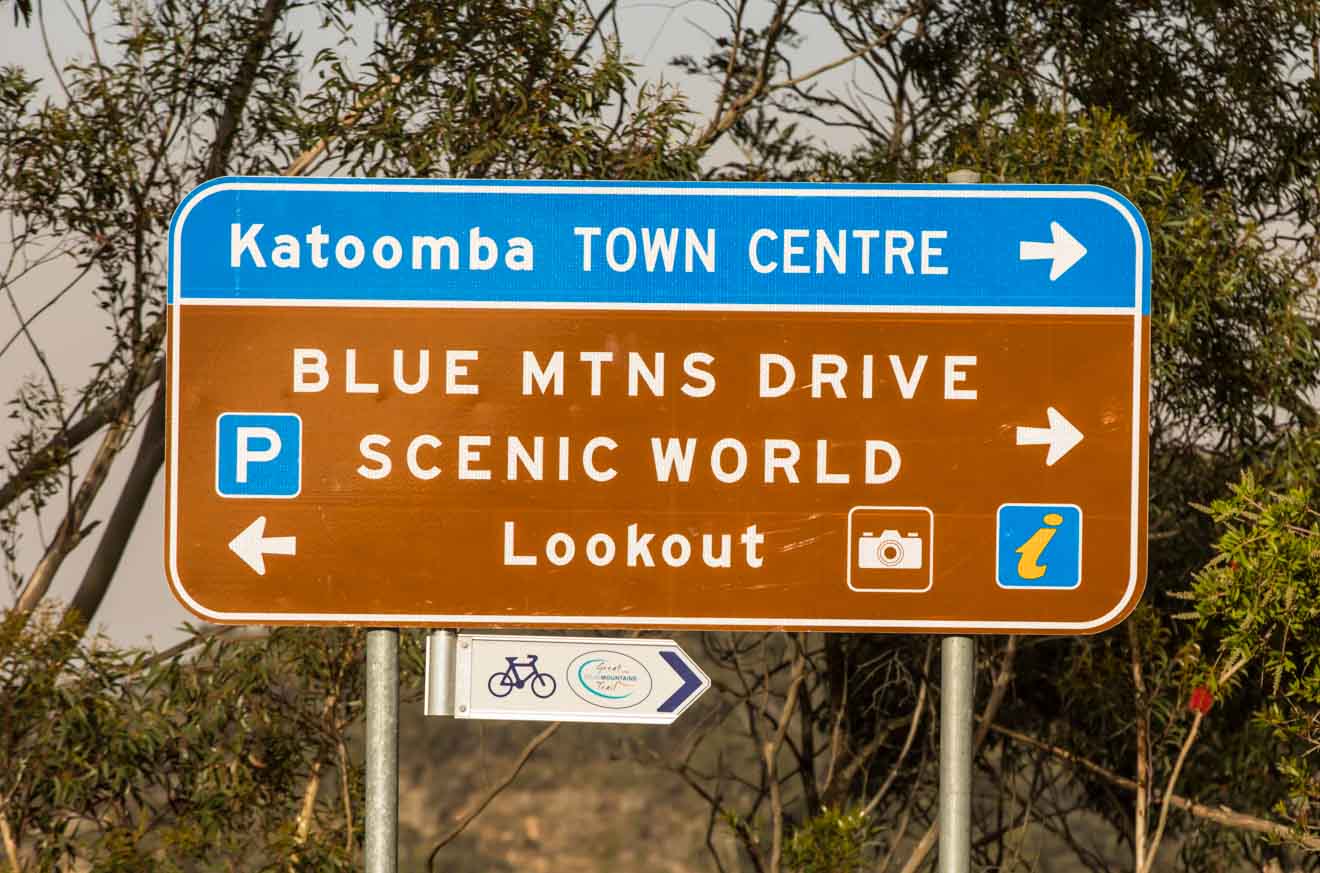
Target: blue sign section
x,y
1038,546
670,244
258,454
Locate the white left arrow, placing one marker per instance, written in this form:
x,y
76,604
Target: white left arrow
x,y
1063,250
252,545
1061,436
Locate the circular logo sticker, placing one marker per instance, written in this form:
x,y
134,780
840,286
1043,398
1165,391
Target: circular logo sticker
x,y
610,680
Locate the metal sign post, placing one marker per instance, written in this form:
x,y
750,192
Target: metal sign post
x,y
957,697
957,694
381,852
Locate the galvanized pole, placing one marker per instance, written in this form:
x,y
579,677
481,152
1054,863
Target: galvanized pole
x,y
957,697
382,819
957,687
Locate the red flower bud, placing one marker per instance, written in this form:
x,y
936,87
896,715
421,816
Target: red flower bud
x,y
1201,700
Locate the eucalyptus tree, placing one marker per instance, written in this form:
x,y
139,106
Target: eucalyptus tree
x,y
1205,115
223,751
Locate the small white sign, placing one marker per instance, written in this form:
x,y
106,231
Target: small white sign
x,y
598,679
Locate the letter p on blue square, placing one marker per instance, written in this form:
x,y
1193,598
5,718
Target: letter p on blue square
x,y
1038,545
258,454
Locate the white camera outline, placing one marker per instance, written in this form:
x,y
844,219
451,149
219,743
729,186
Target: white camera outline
x,y
900,542
929,546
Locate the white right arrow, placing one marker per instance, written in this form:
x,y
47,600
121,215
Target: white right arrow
x,y
1064,250
252,545
1061,436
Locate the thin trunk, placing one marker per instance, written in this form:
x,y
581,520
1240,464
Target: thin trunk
x,y
123,518
1140,823
11,847
71,531
344,796
922,849
770,753
304,821
1168,792
807,768
151,452
151,455
68,439
246,77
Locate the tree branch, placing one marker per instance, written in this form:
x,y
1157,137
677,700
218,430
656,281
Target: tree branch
x,y
1141,816
345,799
770,753
727,118
123,518
304,161
151,451
201,636
922,849
11,848
874,44
74,435
71,531
492,792
1222,815
241,89
903,752
997,692
303,822
1168,792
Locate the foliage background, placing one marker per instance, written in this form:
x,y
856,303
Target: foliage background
x,y
1182,740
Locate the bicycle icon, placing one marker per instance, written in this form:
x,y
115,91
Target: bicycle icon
x,y
516,676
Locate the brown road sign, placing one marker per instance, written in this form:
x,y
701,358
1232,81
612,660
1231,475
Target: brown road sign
x,y
904,408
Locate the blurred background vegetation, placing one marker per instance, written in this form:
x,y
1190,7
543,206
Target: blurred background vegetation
x,y
1182,740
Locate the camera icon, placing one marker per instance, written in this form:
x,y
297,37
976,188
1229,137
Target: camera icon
x,y
900,558
889,551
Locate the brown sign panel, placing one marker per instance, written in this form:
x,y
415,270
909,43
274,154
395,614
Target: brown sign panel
x,y
398,457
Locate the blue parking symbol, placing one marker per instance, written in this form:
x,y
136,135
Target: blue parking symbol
x,y
1038,545
258,454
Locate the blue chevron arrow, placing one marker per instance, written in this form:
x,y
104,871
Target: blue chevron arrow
x,y
691,682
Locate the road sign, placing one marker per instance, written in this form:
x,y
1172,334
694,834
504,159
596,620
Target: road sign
x,y
833,407
522,678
